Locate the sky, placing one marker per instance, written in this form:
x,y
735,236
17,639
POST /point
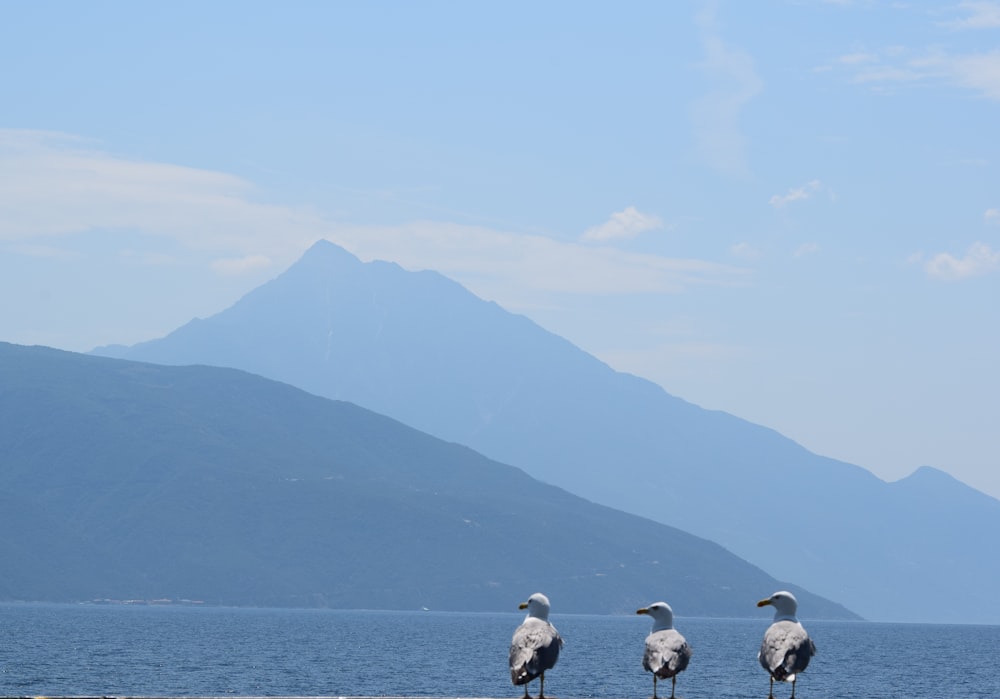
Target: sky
x,y
785,210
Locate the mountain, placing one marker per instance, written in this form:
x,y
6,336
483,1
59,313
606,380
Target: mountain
x,y
420,348
125,480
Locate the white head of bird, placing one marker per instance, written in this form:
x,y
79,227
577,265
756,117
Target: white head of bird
x,y
537,606
784,603
663,615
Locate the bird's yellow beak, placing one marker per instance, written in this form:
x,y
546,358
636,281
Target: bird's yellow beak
x,y
644,610
523,605
764,603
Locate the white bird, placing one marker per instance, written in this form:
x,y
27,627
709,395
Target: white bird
x,y
786,648
535,645
667,653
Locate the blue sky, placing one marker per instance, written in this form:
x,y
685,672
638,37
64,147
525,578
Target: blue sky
x,y
789,211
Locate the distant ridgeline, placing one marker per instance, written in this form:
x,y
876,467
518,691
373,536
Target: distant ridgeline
x,y
420,348
131,481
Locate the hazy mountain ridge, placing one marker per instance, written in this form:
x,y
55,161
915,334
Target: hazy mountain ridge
x,y
135,481
420,348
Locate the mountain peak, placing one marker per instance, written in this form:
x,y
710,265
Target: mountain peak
x,y
929,472
326,260
420,348
932,481
324,252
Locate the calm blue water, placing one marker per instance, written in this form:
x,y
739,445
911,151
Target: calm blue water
x,y
178,651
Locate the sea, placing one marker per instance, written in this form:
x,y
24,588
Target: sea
x,y
177,651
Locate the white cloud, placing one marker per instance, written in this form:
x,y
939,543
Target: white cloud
x,y
744,251
979,72
882,75
53,187
980,259
806,249
513,268
624,224
859,57
716,116
992,216
980,15
795,194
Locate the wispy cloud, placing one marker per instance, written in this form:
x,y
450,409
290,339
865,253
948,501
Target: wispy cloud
x,y
53,187
806,249
978,260
716,116
891,67
744,251
977,15
624,224
858,58
895,67
992,216
978,72
796,194
498,264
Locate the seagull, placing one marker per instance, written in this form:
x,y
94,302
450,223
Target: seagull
x,y
535,646
667,653
786,648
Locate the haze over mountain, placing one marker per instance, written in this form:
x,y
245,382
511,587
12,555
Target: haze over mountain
x,y
125,480
420,348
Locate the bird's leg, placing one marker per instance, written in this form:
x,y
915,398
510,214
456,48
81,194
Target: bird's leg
x,y
673,686
793,688
541,686
654,685
770,692
526,691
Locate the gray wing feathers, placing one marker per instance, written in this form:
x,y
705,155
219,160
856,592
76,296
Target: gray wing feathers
x,y
533,650
667,653
786,650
